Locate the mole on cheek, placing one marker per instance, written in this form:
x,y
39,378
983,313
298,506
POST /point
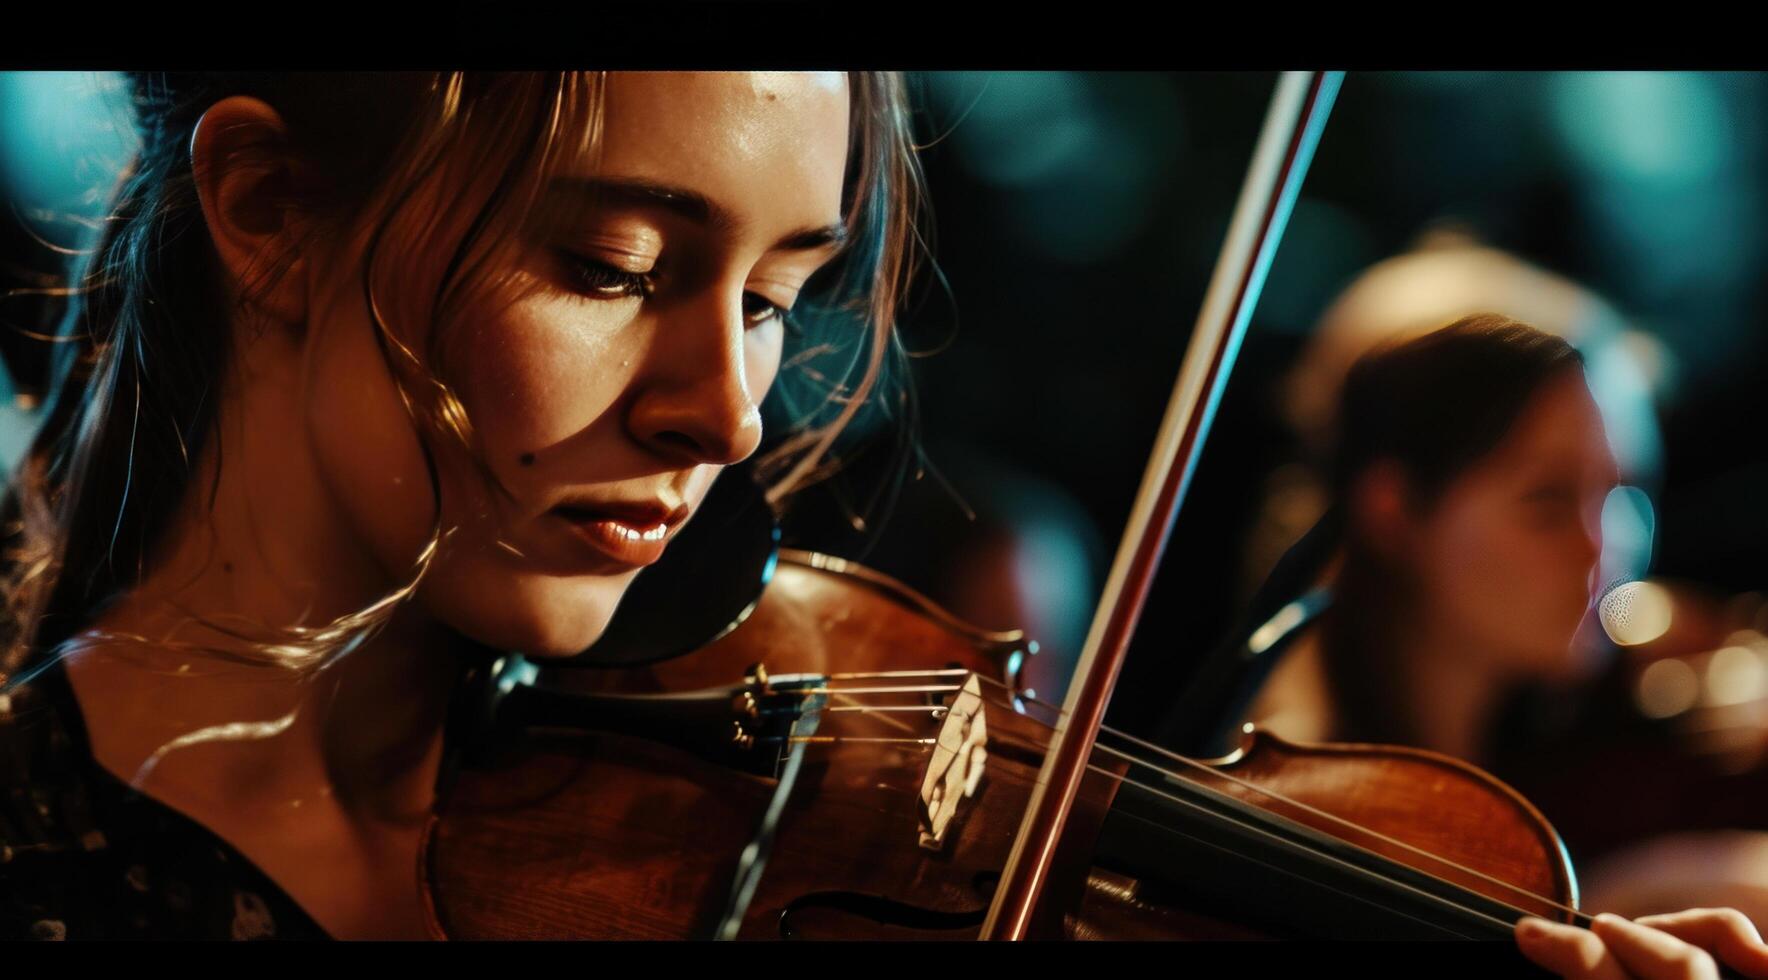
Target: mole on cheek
x,y
526,459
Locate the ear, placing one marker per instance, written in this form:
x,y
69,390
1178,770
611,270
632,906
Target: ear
x,y
1381,514
245,181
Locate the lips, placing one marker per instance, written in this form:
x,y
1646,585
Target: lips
x,y
629,533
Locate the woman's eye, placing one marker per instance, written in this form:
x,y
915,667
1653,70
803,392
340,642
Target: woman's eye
x,y
757,310
604,281
1553,500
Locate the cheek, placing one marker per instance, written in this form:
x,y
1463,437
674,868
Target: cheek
x,y
542,371
1478,565
366,450
761,360
1505,584
528,388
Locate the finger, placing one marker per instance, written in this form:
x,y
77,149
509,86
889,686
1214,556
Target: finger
x,y
1727,933
1651,953
1567,950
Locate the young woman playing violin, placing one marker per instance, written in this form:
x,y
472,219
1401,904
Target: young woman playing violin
x,y
368,372
1469,477
369,366
1469,474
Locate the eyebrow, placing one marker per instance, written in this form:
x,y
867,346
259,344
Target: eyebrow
x,y
688,204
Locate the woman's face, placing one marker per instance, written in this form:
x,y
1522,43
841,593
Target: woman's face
x,y
1508,557
626,373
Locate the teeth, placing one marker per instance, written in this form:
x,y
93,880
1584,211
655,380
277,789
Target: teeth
x,y
631,533
654,532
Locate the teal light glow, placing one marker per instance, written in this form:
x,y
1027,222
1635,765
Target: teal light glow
x,y
64,138
1075,156
1666,163
17,425
1021,127
1324,249
1623,394
1629,525
1643,125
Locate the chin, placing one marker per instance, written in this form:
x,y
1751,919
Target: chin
x,y
1568,658
549,618
1591,651
1568,664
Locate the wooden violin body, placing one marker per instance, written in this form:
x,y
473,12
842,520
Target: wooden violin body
x,y
564,831
610,835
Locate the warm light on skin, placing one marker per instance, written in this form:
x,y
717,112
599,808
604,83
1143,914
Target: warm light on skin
x,y
1487,580
1508,556
609,395
322,499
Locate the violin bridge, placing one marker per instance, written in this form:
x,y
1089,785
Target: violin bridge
x,y
955,770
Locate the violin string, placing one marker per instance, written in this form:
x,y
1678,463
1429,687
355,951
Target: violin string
x,y
1150,746
1345,865
1280,798
922,689
874,674
1248,825
848,704
1446,862
831,739
1021,696
923,708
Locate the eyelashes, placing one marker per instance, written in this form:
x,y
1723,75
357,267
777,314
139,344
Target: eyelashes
x,y
602,281
598,280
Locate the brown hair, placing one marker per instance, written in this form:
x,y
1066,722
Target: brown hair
x,y
145,344
1435,405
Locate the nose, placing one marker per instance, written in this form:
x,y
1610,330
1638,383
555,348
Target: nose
x,y
693,405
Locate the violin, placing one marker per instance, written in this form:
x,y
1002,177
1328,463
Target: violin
x,y
853,762
916,758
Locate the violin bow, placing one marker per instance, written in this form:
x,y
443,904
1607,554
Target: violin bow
x,y
1285,147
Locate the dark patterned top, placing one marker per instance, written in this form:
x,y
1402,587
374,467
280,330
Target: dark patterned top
x,y
84,856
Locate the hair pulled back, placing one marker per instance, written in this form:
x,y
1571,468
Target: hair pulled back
x,y
1435,406
1439,403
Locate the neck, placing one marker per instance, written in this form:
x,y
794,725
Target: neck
x,y
208,734
295,768
272,547
1399,673
326,784
1446,692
